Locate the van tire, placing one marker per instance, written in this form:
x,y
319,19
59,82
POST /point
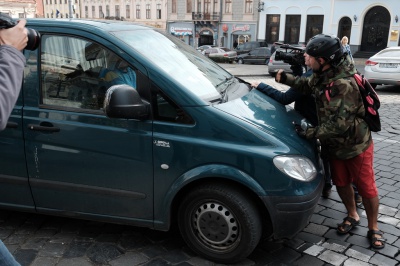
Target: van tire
x,y
220,223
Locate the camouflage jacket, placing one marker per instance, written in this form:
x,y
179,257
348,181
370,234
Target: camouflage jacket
x,y
341,129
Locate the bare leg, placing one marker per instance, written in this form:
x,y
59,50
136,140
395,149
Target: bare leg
x,y
346,194
372,209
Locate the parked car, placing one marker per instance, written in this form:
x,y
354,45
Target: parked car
x,y
256,56
221,54
186,143
204,47
384,67
246,47
274,65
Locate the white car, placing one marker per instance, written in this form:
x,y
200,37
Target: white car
x,y
221,54
384,67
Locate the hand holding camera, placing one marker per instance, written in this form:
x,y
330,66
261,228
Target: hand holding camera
x,y
15,34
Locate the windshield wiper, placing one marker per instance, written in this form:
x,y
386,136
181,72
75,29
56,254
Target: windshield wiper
x,y
225,80
224,95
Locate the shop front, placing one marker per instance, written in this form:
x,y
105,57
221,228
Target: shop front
x,y
183,31
234,34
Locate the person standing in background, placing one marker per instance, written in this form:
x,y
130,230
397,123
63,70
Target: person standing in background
x,y
346,47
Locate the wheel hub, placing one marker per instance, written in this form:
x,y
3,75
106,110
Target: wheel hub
x,y
215,224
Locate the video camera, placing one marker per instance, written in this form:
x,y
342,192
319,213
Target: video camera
x,y
7,22
292,55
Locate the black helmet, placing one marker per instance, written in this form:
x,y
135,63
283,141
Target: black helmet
x,y
325,46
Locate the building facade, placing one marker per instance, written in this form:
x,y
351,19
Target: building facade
x,y
22,9
213,22
149,12
370,25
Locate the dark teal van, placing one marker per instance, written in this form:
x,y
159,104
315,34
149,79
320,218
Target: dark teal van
x,y
122,123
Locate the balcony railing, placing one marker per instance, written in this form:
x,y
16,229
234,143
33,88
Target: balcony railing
x,y
205,16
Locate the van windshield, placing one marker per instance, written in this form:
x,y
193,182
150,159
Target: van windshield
x,y
180,61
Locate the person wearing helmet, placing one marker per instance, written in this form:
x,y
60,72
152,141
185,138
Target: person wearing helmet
x,y
341,129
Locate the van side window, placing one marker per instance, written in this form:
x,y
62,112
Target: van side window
x,y
76,73
164,109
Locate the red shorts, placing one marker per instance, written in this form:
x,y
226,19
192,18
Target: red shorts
x,y
358,170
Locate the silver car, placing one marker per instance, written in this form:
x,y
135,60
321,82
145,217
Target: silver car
x,y
384,67
221,54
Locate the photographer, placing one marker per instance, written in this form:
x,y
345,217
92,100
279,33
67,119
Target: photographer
x,y
12,63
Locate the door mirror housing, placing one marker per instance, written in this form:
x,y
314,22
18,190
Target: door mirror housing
x,y
123,101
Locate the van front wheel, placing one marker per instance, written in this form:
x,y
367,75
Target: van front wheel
x,y
220,223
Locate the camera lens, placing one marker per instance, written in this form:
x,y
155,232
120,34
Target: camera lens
x,y
33,39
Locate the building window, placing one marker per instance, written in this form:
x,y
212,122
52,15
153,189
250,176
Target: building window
x,y
51,2
248,7
93,11
107,11
148,16
292,29
55,2
101,14
86,12
138,11
65,2
158,11
228,6
128,11
215,7
314,25
117,11
272,28
188,6
207,6
173,8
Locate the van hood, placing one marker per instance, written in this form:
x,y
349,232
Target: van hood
x,y
271,117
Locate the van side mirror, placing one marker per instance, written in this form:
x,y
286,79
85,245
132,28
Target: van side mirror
x,y
123,101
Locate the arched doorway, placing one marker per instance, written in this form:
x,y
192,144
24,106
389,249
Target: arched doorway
x,y
344,28
376,29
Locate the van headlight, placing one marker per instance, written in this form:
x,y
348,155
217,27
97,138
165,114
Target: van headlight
x,y
297,167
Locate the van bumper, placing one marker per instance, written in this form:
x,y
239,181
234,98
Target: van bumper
x,y
290,215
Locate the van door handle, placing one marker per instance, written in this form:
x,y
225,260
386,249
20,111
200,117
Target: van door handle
x,y
47,128
12,125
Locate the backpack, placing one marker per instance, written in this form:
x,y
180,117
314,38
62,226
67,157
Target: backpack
x,y
370,99
371,103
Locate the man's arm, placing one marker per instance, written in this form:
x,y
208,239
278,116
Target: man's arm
x,y
285,98
12,63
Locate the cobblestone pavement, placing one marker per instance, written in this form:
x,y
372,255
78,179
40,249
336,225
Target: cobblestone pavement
x,y
40,240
